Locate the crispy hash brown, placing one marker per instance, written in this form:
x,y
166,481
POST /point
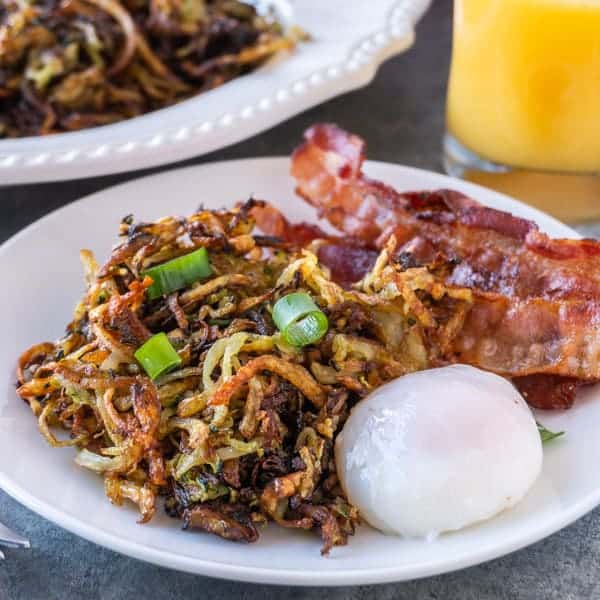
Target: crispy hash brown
x,y
67,65
242,431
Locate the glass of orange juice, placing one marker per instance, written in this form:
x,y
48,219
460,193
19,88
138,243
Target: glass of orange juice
x,y
523,110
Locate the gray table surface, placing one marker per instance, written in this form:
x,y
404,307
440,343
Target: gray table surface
x,y
401,116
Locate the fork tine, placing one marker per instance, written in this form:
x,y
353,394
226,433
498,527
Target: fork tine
x,y
12,539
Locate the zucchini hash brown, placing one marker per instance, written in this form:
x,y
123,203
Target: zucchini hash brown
x,y
214,366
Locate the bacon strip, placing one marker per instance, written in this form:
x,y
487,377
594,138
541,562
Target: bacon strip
x,y
347,259
515,337
536,310
548,391
498,252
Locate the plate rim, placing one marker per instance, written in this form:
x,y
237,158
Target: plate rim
x,y
296,577
74,155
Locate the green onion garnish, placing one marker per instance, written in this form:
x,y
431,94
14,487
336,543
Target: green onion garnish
x,y
178,273
299,319
157,355
548,435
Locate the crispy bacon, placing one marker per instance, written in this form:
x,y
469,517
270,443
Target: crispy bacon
x,y
548,391
273,223
347,263
515,337
536,310
347,259
494,251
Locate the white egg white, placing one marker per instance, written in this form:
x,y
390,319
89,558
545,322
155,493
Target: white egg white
x,y
438,450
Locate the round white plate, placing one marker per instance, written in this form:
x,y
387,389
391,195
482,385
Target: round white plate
x,y
42,281
350,41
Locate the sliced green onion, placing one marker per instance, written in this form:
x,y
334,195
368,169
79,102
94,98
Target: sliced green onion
x,y
299,319
308,330
178,273
548,435
157,355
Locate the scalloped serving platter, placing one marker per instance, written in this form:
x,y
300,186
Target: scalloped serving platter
x,y
350,39
50,483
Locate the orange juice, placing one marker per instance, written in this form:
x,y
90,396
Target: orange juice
x,y
524,85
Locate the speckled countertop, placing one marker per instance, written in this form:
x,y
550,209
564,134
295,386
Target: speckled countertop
x,y
401,116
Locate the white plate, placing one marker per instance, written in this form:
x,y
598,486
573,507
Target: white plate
x,y
350,41
41,277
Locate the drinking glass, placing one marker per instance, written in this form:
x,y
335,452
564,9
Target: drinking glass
x,y
523,106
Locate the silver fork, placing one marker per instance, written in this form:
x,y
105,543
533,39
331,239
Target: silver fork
x,y
11,539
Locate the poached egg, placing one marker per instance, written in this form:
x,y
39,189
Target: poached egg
x,y
438,450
